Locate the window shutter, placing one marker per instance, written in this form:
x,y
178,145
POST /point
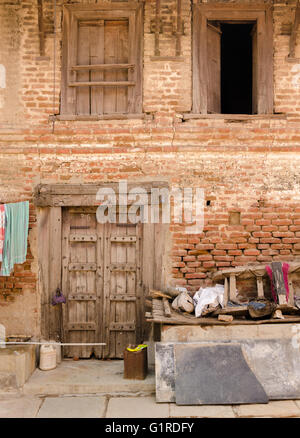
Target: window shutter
x,y
102,59
214,69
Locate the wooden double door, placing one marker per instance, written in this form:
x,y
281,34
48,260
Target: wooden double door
x,y
102,282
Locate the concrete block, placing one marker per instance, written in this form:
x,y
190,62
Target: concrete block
x,y
19,361
7,381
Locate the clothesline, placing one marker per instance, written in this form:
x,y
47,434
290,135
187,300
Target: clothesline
x,y
50,343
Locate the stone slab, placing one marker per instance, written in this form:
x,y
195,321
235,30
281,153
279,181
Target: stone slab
x,y
88,377
215,374
136,407
274,409
73,407
275,363
212,411
20,407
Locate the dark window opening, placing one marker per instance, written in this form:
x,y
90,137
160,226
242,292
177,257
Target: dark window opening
x,y
236,68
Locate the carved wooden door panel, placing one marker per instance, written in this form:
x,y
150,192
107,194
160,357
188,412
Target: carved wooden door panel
x,y
102,282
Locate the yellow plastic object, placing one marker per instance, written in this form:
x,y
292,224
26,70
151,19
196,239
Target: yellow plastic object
x,y
138,348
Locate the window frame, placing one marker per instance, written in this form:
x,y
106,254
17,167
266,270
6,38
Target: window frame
x,y
133,12
261,13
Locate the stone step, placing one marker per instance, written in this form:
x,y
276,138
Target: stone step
x,y
88,377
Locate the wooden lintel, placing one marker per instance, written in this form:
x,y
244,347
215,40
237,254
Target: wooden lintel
x,y
80,195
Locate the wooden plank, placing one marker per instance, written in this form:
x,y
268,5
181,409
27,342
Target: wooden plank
x,y
83,77
94,117
116,51
120,297
278,282
103,67
107,316
139,310
254,69
102,84
121,7
122,326
226,290
260,288
43,222
68,57
55,229
119,254
65,276
148,256
82,237
137,58
80,297
167,309
100,315
232,287
119,267
214,69
81,326
96,57
293,37
159,246
82,267
123,239
91,285
198,34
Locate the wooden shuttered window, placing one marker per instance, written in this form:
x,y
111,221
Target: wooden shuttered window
x,y
102,60
207,54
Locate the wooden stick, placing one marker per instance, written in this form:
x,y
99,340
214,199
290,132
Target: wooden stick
x,y
260,288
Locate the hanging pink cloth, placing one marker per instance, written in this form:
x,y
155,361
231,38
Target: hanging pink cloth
x,y
2,229
285,269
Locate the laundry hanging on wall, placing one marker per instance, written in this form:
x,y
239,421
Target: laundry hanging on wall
x,y
2,229
14,235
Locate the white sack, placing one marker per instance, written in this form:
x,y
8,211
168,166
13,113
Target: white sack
x,y
208,297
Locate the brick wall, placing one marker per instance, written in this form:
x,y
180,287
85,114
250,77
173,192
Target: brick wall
x,y
248,167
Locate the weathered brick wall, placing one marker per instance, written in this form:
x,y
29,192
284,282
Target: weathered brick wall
x,y
250,166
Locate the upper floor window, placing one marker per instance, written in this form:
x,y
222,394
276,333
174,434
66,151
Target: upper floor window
x,y
232,59
102,59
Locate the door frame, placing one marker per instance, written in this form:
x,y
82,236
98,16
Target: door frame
x,y
49,200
